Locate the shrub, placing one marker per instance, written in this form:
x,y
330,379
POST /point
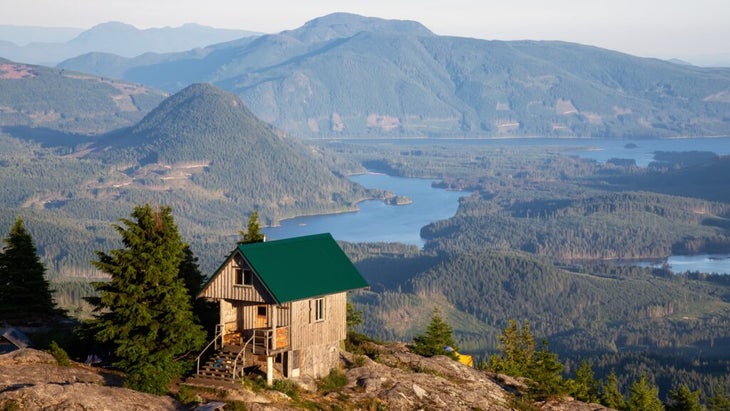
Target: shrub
x,y
187,395
334,381
59,354
285,386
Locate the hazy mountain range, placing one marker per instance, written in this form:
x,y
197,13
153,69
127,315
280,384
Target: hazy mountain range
x,y
49,46
344,75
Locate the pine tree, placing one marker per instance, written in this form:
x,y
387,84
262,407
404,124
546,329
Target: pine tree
x,y
253,232
684,399
611,395
25,294
353,317
205,311
585,387
719,402
438,336
145,310
190,273
518,349
644,396
546,373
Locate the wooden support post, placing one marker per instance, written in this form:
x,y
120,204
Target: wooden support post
x,y
269,371
272,323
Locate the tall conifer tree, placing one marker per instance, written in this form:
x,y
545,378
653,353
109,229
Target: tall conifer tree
x,y
611,395
145,310
24,291
438,336
683,399
253,232
644,396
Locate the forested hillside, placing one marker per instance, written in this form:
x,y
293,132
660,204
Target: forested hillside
x,y
200,152
41,103
344,75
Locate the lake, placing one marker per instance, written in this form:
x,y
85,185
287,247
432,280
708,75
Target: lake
x,y
377,222
704,263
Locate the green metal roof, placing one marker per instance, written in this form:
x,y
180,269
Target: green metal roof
x,y
302,267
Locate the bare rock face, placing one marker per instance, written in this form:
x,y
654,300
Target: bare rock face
x,y
406,381
396,380
401,380
32,380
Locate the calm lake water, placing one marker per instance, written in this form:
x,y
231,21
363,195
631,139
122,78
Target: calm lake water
x,y
704,263
378,222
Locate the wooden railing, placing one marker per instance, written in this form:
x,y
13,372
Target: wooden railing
x,y
262,341
214,342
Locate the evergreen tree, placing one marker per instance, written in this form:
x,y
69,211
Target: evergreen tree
x,y
438,336
205,311
644,396
718,402
190,273
585,386
546,374
611,395
518,349
25,294
353,317
144,310
684,399
253,232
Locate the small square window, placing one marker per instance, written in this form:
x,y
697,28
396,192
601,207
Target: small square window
x,y
319,309
244,276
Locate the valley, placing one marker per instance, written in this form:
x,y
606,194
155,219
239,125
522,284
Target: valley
x,y
276,124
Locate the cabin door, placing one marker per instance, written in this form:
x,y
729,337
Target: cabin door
x,y
262,318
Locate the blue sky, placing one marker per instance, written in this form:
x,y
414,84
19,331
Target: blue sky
x,y
652,28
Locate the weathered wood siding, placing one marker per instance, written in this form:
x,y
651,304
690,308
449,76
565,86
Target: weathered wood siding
x,y
224,284
318,360
306,332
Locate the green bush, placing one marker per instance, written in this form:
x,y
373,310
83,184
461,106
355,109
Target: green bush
x,y
334,381
59,354
187,395
285,386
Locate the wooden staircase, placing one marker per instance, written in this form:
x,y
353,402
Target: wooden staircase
x,y
220,365
225,363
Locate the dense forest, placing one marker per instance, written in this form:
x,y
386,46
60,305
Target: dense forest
x,y
549,238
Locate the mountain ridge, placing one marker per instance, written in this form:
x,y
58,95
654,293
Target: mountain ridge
x,y
344,75
123,40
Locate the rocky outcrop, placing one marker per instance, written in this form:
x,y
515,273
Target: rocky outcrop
x,y
394,380
32,380
406,381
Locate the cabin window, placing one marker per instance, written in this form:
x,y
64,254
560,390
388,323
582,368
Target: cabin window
x,y
319,309
244,276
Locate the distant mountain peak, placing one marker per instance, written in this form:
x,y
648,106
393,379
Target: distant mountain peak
x,y
338,25
114,25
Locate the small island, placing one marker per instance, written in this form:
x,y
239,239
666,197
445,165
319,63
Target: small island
x,y
397,200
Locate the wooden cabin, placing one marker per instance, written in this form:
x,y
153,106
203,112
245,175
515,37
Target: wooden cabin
x,y
285,300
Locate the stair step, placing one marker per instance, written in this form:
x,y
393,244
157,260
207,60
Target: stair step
x,y
219,366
